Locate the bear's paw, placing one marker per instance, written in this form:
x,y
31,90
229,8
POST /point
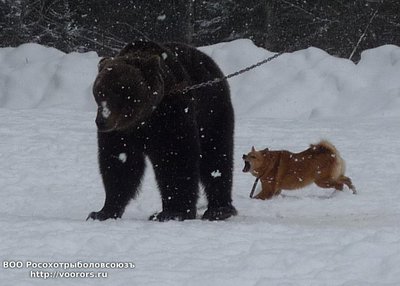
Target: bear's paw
x,y
219,213
102,215
173,215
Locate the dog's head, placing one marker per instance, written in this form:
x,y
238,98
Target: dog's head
x,y
254,160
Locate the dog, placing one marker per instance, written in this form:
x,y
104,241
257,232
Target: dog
x,y
283,170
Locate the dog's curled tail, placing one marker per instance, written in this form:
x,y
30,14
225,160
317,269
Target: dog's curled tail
x,y
339,167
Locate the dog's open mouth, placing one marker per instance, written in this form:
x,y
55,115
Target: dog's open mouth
x,y
246,167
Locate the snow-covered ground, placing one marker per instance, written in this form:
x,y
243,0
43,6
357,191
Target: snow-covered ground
x,y
49,179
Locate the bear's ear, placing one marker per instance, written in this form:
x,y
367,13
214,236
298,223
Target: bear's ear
x,y
134,61
129,48
151,67
153,62
102,63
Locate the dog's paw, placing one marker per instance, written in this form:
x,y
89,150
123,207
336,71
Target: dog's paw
x,y
264,196
259,197
170,215
219,213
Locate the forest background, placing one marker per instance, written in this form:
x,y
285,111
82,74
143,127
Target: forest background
x,y
342,28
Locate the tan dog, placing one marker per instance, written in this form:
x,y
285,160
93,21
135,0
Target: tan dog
x,y
282,170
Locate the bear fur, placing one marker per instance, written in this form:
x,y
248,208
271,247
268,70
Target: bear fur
x,y
188,137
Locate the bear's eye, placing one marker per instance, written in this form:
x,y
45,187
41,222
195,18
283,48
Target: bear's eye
x,y
126,111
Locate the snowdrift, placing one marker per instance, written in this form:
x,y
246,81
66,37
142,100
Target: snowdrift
x,y
34,76
305,84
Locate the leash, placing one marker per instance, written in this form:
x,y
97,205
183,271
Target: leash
x,y
254,187
218,80
211,82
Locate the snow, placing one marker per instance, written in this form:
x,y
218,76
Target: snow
x,y
161,17
106,112
122,157
50,181
216,174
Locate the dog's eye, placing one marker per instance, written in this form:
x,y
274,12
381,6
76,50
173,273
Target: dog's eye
x,y
252,157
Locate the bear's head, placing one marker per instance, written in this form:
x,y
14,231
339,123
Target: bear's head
x,y
127,90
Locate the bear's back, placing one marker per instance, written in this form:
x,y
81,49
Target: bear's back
x,y
198,65
201,68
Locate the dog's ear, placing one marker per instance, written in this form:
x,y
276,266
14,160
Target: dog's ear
x,y
264,152
253,149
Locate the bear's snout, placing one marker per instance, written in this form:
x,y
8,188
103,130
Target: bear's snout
x,y
100,122
104,124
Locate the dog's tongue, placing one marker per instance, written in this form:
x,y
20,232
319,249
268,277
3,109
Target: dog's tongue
x,y
246,167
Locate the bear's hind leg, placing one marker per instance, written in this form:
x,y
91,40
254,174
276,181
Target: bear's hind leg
x,y
175,158
216,167
177,179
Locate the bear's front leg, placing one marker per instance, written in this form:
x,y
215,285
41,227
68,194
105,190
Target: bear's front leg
x,y
122,166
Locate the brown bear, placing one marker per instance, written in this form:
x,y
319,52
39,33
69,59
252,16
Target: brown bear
x,y
188,137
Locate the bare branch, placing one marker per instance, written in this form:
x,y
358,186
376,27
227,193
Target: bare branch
x,y
307,12
363,35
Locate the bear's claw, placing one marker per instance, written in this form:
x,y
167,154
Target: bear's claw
x,y
168,215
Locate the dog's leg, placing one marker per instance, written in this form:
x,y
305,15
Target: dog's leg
x,y
267,192
337,185
329,184
347,181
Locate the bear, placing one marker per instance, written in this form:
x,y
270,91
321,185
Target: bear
x,y
187,136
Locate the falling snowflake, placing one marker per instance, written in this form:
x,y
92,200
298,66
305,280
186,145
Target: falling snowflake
x,y
161,17
105,110
122,157
216,174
